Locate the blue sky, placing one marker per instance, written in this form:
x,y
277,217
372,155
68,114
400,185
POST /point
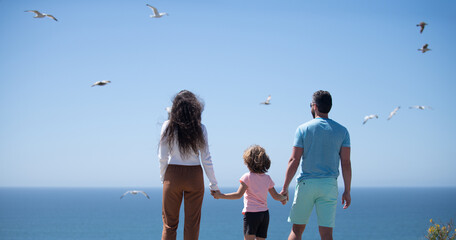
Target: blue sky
x,y
58,131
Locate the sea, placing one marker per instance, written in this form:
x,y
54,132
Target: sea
x,y
99,213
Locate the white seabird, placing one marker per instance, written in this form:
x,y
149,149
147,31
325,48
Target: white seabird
x,y
134,192
369,117
267,102
393,112
41,15
424,48
101,83
420,107
156,13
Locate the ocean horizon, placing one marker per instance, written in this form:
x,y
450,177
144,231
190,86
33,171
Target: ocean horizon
x,y
99,213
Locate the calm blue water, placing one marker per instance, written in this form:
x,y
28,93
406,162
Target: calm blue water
x,y
85,213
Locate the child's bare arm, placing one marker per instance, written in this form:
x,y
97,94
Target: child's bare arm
x,y
234,195
276,196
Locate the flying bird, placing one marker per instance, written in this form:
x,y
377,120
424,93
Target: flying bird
x,y
267,102
101,83
420,107
424,48
369,117
168,110
41,15
134,192
393,112
421,25
156,13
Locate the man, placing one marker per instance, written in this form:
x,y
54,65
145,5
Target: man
x,y
321,143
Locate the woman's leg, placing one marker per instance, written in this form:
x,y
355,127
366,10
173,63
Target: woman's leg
x,y
172,199
193,201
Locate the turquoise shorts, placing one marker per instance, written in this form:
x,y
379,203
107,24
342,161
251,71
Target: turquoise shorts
x,y
321,192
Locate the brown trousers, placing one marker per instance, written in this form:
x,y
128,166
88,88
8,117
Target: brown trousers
x,y
182,182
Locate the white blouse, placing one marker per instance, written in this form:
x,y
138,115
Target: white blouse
x,y
174,157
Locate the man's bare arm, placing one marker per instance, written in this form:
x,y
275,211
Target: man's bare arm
x,y
293,165
345,163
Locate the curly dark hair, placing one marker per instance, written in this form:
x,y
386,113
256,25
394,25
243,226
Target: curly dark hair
x,y
256,159
185,124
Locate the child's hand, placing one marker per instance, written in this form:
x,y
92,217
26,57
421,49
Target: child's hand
x,y
283,199
216,194
284,193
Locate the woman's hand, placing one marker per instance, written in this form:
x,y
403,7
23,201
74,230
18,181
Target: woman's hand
x,y
216,194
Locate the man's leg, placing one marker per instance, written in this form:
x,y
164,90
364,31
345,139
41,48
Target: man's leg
x,y
326,206
326,233
296,231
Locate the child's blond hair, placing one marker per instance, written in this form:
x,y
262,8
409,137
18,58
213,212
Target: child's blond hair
x,y
256,159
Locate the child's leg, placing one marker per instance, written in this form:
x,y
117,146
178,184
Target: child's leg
x,y
250,237
256,225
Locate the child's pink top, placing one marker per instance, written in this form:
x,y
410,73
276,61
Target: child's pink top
x,y
255,197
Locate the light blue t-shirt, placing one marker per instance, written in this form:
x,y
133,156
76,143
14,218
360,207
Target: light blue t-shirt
x,y
321,139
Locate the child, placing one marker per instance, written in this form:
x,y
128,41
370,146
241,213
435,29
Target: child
x,y
256,185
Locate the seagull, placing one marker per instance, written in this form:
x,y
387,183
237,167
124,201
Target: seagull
x,y
156,13
393,112
101,83
267,102
424,48
421,25
421,107
134,192
168,110
41,15
369,117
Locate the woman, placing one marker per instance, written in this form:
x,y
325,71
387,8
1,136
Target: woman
x,y
183,142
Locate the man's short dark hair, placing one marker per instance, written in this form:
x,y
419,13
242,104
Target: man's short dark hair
x,y
323,101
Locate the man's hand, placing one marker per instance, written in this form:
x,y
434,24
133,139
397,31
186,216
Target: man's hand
x,y
346,199
284,192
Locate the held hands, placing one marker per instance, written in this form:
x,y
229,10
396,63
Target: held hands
x,y
216,194
284,193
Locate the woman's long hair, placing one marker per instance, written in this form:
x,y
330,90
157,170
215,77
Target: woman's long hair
x,y
185,124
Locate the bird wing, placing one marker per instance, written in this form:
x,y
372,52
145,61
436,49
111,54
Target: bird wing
x,y
35,11
145,194
156,13
391,115
127,192
96,83
48,15
105,81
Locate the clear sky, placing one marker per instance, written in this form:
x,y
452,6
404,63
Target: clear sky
x,y
56,130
